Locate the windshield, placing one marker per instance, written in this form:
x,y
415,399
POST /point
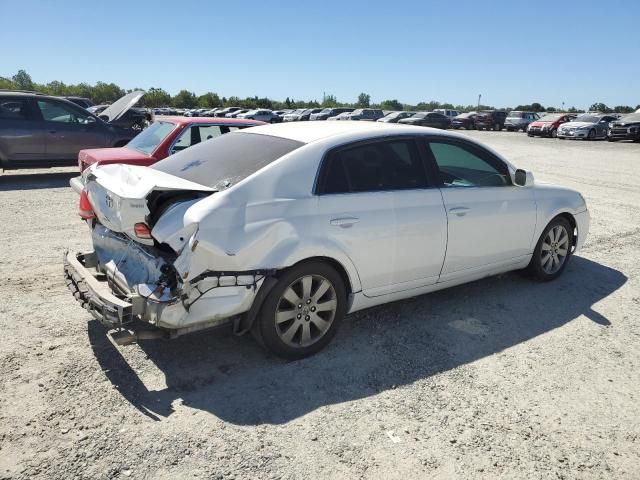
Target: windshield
x,y
587,119
326,110
551,118
226,160
419,115
149,139
516,114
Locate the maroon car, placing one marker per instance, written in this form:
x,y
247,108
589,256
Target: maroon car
x,y
547,126
165,136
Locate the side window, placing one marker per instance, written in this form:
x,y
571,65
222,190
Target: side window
x,y
209,131
14,109
460,167
374,167
59,112
186,139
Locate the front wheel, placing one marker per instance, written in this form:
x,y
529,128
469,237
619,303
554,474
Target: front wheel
x,y
591,135
553,250
554,133
302,313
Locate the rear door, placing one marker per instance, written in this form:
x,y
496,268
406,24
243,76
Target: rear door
x,y
491,222
68,129
375,205
21,130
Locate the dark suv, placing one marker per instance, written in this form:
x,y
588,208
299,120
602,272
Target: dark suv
x,y
39,130
490,120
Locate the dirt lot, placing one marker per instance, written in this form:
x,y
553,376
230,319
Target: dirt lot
x,y
500,378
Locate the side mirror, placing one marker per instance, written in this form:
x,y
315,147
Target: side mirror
x,y
522,178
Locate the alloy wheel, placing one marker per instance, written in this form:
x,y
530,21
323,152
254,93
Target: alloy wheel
x,y
305,311
555,248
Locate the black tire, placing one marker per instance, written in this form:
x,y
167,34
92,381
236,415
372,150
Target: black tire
x,y
469,126
609,139
535,266
496,127
266,326
591,135
509,129
554,133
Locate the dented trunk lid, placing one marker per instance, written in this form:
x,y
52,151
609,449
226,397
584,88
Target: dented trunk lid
x,y
119,195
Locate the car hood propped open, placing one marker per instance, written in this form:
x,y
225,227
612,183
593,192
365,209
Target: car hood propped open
x,y
117,109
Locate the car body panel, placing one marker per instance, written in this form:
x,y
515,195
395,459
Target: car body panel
x,y
580,129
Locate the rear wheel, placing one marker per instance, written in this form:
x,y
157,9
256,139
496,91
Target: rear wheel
x,y
553,250
303,311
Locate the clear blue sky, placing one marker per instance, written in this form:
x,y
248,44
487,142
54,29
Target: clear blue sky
x,y
575,51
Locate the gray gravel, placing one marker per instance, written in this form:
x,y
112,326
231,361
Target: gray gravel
x,y
503,377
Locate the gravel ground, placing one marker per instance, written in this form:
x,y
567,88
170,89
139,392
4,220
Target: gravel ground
x,y
503,377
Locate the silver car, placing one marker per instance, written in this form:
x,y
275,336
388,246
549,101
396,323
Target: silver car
x,y
517,120
588,126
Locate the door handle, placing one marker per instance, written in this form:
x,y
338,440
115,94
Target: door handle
x,y
344,222
459,211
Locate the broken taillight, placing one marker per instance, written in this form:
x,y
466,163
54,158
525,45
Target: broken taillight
x,y
85,209
142,230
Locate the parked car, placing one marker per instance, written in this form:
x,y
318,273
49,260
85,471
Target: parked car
x,y
587,126
547,125
278,229
490,120
293,116
364,114
427,119
464,120
262,115
164,137
517,120
236,113
329,112
341,116
81,101
451,114
395,117
626,127
306,115
40,130
222,112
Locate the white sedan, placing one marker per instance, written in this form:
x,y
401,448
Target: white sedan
x,y
281,230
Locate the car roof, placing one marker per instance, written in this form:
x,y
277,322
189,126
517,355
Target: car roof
x,y
179,120
308,132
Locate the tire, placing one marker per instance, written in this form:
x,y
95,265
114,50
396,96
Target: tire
x,y
469,127
556,238
285,337
496,127
509,129
554,133
592,135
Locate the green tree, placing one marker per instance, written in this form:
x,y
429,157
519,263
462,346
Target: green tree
x,y
391,105
551,109
364,100
599,107
209,100
185,99
329,101
155,97
623,109
22,80
6,84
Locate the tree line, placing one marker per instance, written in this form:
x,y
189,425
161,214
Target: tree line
x,y
102,92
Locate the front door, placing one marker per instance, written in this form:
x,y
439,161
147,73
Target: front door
x,y
68,129
491,222
22,138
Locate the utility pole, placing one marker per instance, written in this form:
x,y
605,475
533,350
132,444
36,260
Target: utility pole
x,y
479,97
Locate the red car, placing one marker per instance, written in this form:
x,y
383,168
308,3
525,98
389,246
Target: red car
x,y
165,136
547,126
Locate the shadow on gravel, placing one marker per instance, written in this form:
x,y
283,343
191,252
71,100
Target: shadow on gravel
x,y
35,181
378,349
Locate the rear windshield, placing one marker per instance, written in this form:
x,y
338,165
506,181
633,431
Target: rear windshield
x,y
552,117
149,139
516,114
226,160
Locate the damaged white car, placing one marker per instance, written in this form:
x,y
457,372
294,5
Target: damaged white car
x,y
281,230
